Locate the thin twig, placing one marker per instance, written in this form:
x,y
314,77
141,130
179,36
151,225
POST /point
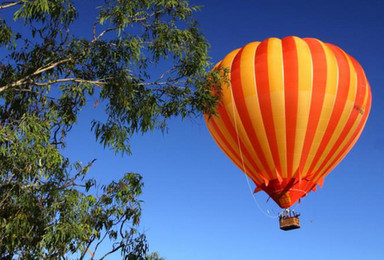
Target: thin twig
x,y
94,30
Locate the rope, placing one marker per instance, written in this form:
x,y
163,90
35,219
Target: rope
x,y
256,202
89,251
242,161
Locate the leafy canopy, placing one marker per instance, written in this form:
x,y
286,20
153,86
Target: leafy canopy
x,y
48,207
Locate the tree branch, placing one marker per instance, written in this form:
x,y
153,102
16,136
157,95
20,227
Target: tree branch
x,y
88,245
112,251
101,34
48,67
10,4
37,72
78,80
152,83
100,241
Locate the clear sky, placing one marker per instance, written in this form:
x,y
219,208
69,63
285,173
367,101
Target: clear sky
x,y
197,204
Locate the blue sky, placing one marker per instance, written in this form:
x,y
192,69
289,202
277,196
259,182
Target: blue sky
x,y
197,204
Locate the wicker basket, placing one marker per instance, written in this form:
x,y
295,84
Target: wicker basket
x,y
289,223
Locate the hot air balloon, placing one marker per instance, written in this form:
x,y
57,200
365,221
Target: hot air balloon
x,y
290,111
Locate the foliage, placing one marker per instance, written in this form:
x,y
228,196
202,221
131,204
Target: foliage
x,y
48,207
154,256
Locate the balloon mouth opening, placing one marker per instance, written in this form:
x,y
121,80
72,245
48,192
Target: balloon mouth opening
x,y
287,192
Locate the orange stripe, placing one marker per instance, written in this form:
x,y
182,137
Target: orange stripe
x,y
226,123
241,106
291,82
358,102
263,91
338,108
318,93
350,144
236,157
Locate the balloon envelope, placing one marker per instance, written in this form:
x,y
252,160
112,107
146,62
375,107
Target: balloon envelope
x,y
291,110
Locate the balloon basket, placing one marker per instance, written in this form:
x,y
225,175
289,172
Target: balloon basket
x,y
289,223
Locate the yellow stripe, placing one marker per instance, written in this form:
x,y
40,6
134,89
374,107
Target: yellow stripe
x,y
305,69
252,101
367,94
276,88
349,136
348,108
247,72
329,100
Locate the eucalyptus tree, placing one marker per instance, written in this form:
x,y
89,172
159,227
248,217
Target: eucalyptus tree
x,y
48,73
